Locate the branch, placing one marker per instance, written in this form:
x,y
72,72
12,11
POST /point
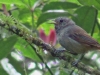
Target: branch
x,y
17,28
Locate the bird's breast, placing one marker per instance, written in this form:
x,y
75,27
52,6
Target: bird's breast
x,y
70,44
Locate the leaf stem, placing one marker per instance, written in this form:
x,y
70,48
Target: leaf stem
x,y
98,25
93,28
32,15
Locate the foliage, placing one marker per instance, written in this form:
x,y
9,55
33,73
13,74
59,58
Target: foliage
x,y
34,15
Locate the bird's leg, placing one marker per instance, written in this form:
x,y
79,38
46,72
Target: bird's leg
x,y
79,59
76,62
57,53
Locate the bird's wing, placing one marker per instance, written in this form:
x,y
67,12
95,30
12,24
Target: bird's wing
x,y
85,39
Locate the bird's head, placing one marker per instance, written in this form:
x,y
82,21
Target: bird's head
x,y
62,22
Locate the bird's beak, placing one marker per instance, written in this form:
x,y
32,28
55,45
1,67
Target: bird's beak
x,y
52,22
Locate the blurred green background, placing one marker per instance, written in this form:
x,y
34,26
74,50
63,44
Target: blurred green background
x,y
16,55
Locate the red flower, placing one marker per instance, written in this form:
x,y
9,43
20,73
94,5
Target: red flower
x,y
51,38
42,35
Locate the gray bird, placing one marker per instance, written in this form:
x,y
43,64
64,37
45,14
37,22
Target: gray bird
x,y
73,38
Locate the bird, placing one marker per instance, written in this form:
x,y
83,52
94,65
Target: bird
x,y
74,38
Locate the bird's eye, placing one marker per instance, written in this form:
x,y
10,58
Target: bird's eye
x,y
61,21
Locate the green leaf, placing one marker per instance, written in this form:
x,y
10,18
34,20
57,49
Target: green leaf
x,y
59,5
27,50
29,3
2,71
24,16
63,72
85,17
47,73
19,2
15,13
74,1
6,45
51,15
16,64
86,2
96,3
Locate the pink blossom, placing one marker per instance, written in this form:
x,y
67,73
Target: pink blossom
x,y
51,38
43,35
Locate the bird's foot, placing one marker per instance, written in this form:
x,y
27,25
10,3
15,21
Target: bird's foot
x,y
79,59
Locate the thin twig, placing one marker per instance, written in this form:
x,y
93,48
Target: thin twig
x,y
93,28
5,9
98,25
42,59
